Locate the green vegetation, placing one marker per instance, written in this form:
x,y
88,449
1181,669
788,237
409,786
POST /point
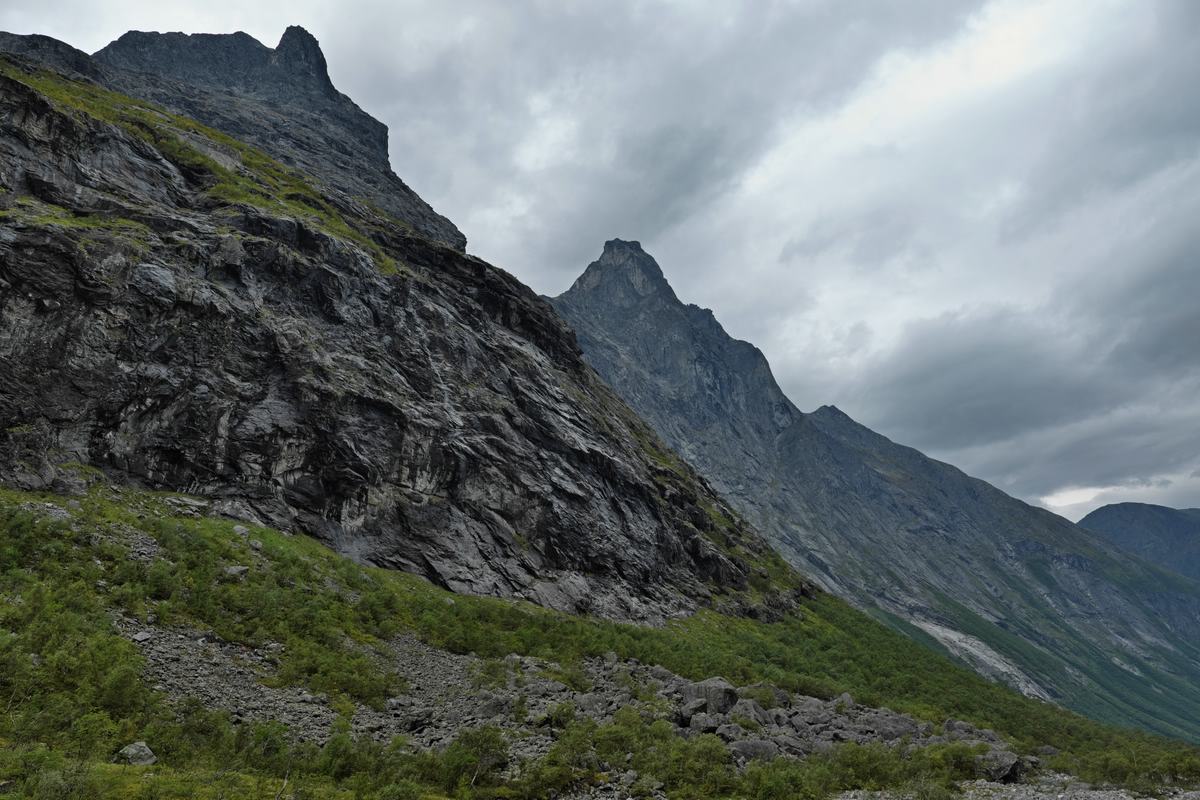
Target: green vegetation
x,y
199,152
34,212
72,694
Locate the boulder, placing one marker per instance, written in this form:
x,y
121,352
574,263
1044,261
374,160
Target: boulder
x,y
999,766
690,709
731,733
705,723
751,710
956,729
236,572
718,694
754,750
137,754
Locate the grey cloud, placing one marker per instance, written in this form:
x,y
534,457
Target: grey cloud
x,y
1121,122
962,380
871,239
669,104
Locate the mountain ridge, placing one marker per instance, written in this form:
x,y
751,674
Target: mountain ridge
x,y
1168,537
1017,592
280,100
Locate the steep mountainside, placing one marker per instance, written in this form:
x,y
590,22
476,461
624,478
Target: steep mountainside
x,y
280,100
1169,537
181,310
1017,592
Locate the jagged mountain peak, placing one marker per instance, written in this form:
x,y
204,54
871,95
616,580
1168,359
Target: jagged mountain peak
x,y
1018,593
281,100
414,407
296,67
625,274
299,52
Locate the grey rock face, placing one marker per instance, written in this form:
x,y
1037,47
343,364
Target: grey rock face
x,y
1016,592
137,754
280,100
718,694
1168,537
754,749
1000,766
439,420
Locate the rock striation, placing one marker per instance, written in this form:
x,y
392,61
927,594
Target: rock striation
x,y
1016,592
308,362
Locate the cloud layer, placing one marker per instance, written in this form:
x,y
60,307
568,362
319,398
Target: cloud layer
x,y
971,226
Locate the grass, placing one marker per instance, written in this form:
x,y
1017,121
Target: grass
x,y
72,694
258,180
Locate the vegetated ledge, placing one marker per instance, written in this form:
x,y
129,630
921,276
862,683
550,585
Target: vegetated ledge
x,y
77,572
232,172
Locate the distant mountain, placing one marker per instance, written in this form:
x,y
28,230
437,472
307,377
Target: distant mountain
x,y
1017,592
1169,537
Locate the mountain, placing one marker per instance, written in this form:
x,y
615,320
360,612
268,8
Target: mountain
x,y
1017,592
279,100
1169,537
181,310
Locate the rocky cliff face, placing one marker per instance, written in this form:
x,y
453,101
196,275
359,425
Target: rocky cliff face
x,y
280,100
183,312
1017,592
1169,537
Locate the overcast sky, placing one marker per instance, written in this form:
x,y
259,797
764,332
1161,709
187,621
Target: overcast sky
x,y
972,226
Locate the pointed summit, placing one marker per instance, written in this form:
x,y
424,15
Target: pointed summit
x,y
625,275
299,54
281,100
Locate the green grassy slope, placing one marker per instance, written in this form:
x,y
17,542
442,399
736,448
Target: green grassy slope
x,y
72,694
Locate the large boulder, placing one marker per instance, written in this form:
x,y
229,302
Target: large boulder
x,y
718,694
706,723
754,750
1000,766
137,754
751,710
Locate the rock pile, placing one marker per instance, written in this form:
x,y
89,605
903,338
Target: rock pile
x,y
446,693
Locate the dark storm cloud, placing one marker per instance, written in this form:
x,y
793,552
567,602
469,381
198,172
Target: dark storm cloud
x,y
1101,384
663,107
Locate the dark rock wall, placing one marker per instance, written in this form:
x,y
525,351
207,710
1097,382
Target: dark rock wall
x,y
439,420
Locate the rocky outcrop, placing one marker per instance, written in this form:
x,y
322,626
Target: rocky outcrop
x,y
280,100
1018,593
328,372
1168,537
